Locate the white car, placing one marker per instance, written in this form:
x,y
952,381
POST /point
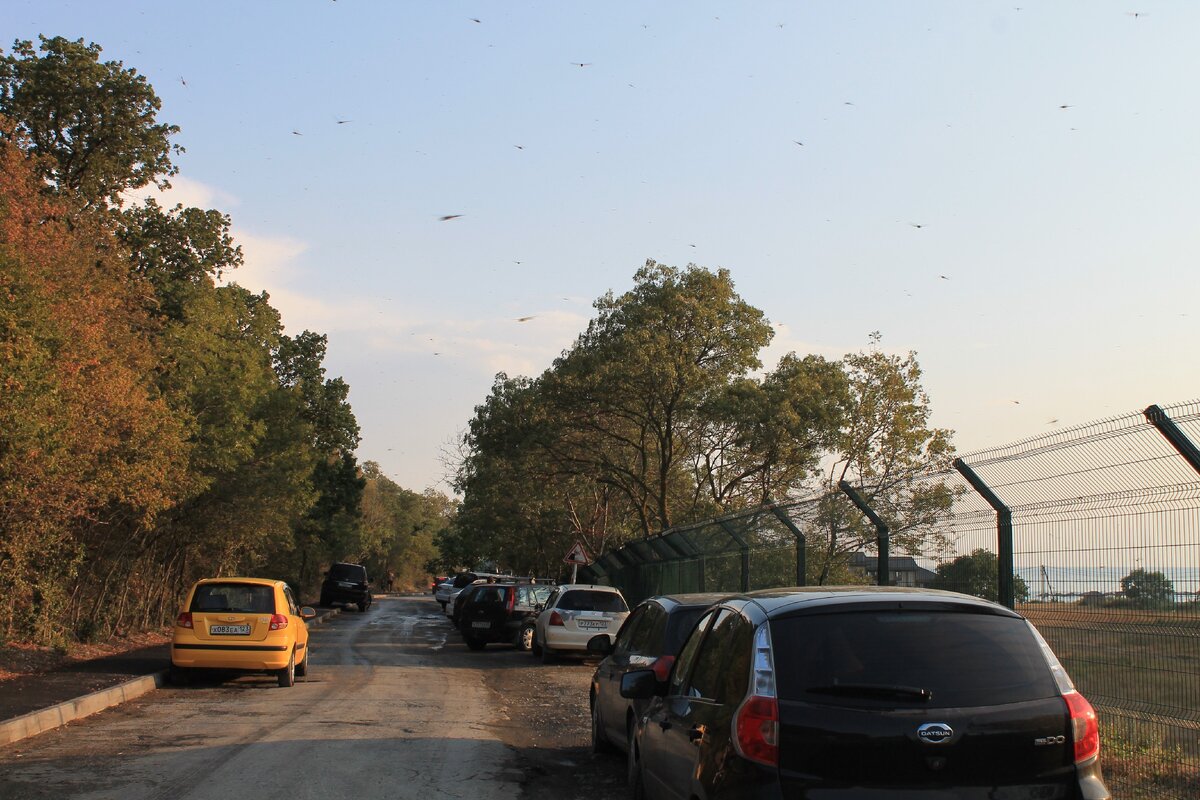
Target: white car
x,y
574,613
442,593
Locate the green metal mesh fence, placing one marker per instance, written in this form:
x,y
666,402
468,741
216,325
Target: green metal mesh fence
x,y
1105,557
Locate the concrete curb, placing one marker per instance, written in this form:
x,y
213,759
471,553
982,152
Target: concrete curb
x,y
48,719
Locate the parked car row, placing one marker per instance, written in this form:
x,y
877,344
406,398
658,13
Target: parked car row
x,y
846,692
549,621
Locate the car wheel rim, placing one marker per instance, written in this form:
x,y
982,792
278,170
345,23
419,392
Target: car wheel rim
x,y
527,639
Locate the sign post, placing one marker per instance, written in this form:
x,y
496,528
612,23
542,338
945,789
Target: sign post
x,y
576,556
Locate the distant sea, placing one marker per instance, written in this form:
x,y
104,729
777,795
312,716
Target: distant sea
x,y
1072,581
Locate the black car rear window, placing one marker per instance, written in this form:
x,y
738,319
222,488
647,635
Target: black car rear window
x,y
348,572
590,600
241,598
932,659
680,626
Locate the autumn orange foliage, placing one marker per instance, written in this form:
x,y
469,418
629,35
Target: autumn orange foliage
x,y
88,448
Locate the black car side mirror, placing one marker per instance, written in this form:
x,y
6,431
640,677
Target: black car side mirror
x,y
600,645
641,684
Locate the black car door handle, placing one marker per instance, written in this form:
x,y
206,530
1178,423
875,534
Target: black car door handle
x,y
696,733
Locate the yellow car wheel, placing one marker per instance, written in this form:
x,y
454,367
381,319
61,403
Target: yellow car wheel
x,y
287,675
302,667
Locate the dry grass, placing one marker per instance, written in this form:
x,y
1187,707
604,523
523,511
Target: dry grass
x,y
1141,669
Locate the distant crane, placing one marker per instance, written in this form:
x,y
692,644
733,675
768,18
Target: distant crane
x,y
1047,587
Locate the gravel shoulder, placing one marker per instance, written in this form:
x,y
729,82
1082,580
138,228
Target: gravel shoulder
x,y
548,726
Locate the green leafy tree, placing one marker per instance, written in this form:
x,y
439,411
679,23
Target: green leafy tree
x,y
521,508
179,251
762,438
977,574
400,527
94,121
885,449
1149,589
630,393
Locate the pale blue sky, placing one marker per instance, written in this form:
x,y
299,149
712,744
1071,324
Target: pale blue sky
x,y
1066,236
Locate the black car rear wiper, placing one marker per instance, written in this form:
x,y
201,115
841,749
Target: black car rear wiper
x,y
873,690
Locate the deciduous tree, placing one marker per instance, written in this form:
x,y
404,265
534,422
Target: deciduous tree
x,y
94,121
887,450
977,573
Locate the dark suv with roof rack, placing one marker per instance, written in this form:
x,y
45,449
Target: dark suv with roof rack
x,y
501,612
859,692
346,583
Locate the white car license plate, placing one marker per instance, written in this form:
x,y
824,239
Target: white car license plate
x,y
229,630
592,624
481,624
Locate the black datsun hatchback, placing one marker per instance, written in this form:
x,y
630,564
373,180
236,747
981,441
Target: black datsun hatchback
x,y
863,692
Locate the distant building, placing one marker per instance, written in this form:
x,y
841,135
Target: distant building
x,y
904,570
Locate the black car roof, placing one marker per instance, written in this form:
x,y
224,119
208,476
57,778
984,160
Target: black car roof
x,y
692,600
778,602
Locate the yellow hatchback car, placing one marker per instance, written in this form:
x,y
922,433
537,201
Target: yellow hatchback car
x,y
246,624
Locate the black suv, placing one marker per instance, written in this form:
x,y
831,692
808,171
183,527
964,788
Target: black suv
x,y
346,583
861,692
501,612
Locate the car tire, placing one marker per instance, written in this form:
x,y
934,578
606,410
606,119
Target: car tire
x,y
287,675
535,646
526,638
600,742
443,605
362,607
637,790
548,656
179,676
474,643
324,602
302,667
633,770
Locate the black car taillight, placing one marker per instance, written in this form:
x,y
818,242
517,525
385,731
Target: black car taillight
x,y
756,724
1085,728
512,600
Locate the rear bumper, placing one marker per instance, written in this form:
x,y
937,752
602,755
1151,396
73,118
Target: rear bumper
x,y
508,631
230,656
346,595
561,639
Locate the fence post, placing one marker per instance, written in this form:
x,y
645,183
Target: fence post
x,y
1167,427
882,533
801,566
1004,533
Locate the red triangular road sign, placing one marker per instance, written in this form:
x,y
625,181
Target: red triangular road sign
x,y
577,555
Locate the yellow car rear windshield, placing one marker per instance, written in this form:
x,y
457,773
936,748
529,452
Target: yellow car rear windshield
x,y
243,598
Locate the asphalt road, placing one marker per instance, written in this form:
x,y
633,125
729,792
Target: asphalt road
x,y
394,706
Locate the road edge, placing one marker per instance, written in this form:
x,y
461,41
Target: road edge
x,y
47,719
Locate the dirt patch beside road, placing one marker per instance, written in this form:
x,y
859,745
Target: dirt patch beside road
x,y
547,723
37,678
